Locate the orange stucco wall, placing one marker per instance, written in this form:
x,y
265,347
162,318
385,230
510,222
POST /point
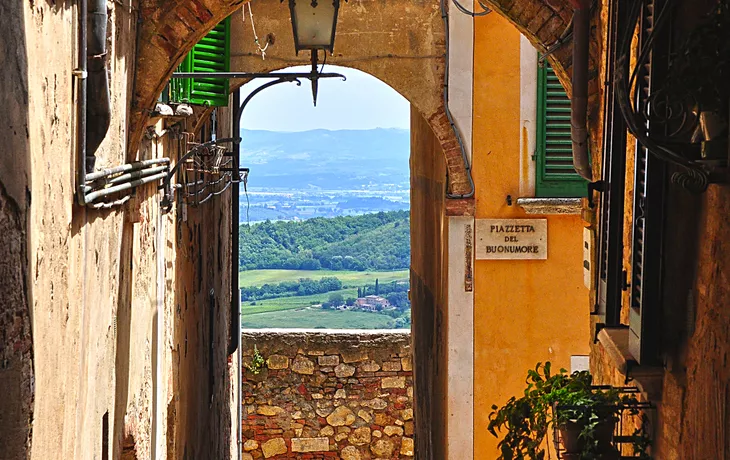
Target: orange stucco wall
x,y
524,311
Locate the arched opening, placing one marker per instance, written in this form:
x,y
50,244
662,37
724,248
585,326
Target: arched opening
x,y
427,190
407,51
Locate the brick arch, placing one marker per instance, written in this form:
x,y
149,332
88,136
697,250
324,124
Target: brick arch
x,y
401,42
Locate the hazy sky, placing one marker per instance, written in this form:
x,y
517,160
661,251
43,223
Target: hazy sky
x,y
360,102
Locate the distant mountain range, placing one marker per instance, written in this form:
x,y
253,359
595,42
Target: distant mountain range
x,y
329,160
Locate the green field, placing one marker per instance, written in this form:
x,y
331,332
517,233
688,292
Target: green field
x,y
318,319
349,278
291,303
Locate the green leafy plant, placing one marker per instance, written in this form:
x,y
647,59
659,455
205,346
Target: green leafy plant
x,y
567,402
258,363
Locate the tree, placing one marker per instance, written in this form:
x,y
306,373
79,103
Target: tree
x,y
350,301
377,288
359,293
335,299
398,300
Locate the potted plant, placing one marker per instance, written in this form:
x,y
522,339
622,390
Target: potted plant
x,y
584,415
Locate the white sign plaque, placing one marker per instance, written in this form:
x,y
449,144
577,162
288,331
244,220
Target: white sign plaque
x,y
503,239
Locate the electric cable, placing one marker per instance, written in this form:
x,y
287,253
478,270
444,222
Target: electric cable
x,y
485,9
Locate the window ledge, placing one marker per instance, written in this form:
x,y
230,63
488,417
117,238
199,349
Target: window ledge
x,y
551,205
615,342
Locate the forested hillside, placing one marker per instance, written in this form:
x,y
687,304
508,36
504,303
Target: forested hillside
x,y
379,241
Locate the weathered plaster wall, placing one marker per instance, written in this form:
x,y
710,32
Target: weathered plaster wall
x,y
429,282
328,394
95,303
387,39
402,45
525,311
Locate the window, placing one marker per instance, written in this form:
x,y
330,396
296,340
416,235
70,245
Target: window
x,y
211,54
611,231
648,216
555,176
649,191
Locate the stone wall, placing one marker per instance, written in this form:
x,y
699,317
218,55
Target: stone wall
x,y
328,394
105,325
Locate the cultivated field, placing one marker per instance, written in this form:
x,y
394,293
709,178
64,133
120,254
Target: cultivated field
x,y
349,278
315,318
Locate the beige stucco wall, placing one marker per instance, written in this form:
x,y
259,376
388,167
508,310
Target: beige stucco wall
x,y
106,306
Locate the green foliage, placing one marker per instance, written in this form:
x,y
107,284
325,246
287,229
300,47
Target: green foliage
x,y
257,362
552,400
303,287
290,303
366,242
335,300
386,289
399,300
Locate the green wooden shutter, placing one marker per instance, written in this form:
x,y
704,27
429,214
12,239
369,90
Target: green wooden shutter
x,y
555,176
649,202
211,54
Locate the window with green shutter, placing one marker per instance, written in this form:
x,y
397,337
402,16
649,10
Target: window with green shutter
x,y
555,176
211,54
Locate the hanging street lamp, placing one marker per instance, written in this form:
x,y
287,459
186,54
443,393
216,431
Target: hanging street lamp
x,y
314,24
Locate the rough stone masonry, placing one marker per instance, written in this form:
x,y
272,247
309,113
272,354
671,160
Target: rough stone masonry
x,y
328,395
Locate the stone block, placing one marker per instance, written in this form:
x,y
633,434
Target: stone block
x,y
302,365
330,360
272,447
406,364
310,444
341,416
269,411
350,453
381,418
408,427
250,444
327,431
407,414
340,394
356,356
382,448
392,430
392,366
370,366
393,382
365,415
406,447
376,403
360,436
344,371
277,362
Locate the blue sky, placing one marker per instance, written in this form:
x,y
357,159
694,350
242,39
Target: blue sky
x,y
361,102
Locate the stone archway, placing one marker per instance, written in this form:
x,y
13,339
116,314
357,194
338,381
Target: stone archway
x,y
398,41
